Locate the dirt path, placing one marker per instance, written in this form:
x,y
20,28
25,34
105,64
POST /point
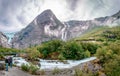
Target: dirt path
x,y
14,72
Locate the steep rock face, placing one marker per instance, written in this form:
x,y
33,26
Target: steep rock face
x,y
47,27
43,28
76,28
3,40
109,20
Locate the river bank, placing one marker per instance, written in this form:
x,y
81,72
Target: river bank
x,y
68,70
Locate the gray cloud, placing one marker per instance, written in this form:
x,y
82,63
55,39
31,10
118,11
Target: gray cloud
x,y
17,14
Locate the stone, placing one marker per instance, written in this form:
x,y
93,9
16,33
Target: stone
x,y
3,40
2,66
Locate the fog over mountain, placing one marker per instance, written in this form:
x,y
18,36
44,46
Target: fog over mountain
x,y
17,14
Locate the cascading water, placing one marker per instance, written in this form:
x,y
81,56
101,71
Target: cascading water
x,y
64,32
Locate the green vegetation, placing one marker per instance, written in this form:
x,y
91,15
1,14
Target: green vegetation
x,y
101,34
32,54
30,68
102,42
108,49
91,47
50,49
7,51
55,71
79,72
25,67
110,58
57,49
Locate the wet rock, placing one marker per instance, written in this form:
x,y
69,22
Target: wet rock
x,y
2,66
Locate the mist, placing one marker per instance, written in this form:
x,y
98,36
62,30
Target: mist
x,y
17,14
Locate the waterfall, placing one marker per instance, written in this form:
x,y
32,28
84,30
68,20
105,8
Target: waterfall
x,y
64,32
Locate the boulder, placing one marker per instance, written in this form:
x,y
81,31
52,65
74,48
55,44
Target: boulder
x,y
2,66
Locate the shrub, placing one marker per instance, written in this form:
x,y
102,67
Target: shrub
x,y
55,71
25,67
30,68
86,54
33,69
104,54
1,57
33,53
79,72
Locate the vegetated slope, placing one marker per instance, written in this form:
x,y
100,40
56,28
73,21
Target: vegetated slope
x,y
7,51
101,34
108,52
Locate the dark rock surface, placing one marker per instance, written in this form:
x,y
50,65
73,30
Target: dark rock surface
x,y
3,40
2,67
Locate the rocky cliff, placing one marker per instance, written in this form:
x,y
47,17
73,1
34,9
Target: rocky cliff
x,y
47,27
3,40
43,28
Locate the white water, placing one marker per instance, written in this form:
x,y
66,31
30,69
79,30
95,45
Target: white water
x,y
51,64
64,32
18,61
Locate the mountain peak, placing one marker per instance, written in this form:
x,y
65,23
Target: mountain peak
x,y
47,11
43,28
46,15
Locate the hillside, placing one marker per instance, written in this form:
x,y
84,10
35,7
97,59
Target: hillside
x,y
108,52
101,34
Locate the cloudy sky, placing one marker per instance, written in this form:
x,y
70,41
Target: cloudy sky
x,y
17,14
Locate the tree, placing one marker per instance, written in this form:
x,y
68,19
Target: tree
x,y
72,50
48,48
91,47
33,53
104,54
112,67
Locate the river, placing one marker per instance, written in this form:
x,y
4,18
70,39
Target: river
x,y
51,64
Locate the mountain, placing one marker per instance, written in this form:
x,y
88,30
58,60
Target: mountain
x,y
47,27
43,28
3,40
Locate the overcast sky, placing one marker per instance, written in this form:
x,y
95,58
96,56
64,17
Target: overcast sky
x,y
17,14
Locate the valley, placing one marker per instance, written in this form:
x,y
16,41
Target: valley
x,y
48,39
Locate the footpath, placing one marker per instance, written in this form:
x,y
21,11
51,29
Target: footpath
x,y
15,71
